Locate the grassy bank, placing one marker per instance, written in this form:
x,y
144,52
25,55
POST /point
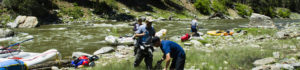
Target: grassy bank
x,y
231,53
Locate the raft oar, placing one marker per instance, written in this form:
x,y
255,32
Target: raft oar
x,y
16,44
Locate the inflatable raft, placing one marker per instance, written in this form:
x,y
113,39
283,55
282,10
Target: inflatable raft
x,y
30,58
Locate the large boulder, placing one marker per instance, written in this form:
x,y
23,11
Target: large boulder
x,y
264,61
30,22
104,50
258,20
5,32
18,20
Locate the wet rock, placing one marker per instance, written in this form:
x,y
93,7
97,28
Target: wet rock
x,y
78,54
161,33
30,22
125,41
18,20
264,61
111,39
6,32
258,20
104,50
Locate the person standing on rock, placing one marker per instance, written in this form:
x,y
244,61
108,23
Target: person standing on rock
x,y
171,50
144,49
194,25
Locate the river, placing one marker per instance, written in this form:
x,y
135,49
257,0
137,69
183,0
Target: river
x,y
68,38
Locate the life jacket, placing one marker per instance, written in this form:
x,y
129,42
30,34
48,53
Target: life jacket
x,y
185,37
82,60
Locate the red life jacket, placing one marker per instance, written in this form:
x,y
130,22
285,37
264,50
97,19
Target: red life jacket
x,y
185,37
86,62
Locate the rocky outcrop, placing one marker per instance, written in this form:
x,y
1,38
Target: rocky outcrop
x,y
30,22
24,22
18,20
6,32
258,20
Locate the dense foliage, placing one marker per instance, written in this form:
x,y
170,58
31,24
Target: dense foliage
x,y
243,10
203,6
283,12
266,7
75,12
39,8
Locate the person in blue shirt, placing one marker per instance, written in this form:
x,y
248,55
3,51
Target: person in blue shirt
x,y
144,49
171,50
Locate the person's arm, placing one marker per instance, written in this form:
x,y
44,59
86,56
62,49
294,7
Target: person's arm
x,y
167,59
139,33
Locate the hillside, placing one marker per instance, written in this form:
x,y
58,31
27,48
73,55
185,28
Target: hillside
x,y
123,10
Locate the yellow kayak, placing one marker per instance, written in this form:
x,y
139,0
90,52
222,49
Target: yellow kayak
x,y
215,32
218,33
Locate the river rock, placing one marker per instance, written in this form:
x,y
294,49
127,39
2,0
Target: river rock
x,y
111,39
266,67
284,66
18,20
30,22
78,54
125,41
161,33
104,50
258,20
264,61
6,32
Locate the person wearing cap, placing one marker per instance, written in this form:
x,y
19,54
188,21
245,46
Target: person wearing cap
x,y
170,50
144,50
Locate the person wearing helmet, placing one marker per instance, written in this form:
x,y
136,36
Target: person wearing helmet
x,y
144,49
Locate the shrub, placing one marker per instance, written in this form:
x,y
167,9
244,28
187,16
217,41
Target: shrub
x,y
219,7
73,12
203,6
243,10
283,12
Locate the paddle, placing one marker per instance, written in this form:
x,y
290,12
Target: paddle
x,y
16,44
